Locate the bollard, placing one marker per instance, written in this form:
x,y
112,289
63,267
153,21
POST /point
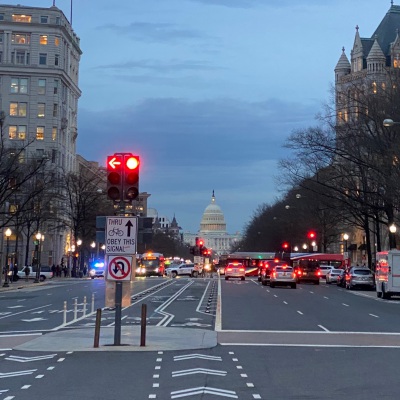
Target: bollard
x,y
65,313
143,326
97,328
84,305
76,309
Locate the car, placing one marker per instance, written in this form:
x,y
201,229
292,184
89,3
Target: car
x,y
235,270
45,273
97,270
188,269
265,270
325,269
283,275
360,277
332,275
308,271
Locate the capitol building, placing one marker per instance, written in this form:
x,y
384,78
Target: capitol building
x,y
213,230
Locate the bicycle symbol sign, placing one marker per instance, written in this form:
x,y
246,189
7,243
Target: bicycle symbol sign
x,y
119,268
121,235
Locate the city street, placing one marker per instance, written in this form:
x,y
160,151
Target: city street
x,y
315,342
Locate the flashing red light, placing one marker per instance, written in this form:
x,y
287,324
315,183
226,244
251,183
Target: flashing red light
x,y
311,235
285,245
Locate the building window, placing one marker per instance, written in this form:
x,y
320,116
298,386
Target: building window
x,y
53,156
18,109
19,85
55,110
41,110
56,86
44,19
1,56
58,21
1,37
17,132
20,57
1,17
43,39
54,133
22,18
40,133
41,86
56,60
39,153
56,41
20,38
42,59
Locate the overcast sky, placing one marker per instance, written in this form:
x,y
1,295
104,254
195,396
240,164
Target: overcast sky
x,y
206,91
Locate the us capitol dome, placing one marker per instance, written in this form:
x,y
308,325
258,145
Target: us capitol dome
x,y
213,230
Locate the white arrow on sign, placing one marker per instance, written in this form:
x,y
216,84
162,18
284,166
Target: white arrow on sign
x,y
198,371
202,356
29,359
17,373
204,390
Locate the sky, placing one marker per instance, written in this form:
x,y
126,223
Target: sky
x,y
207,91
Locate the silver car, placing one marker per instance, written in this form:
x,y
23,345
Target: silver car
x,y
332,276
360,277
283,276
235,270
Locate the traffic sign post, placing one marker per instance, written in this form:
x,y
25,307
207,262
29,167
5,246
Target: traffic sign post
x,y
119,268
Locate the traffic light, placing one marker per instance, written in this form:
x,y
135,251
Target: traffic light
x,y
201,245
131,177
285,246
114,177
312,235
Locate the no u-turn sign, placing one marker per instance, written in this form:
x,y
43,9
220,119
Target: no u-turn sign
x,y
119,268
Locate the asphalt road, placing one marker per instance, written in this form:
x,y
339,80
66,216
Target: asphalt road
x,y
315,342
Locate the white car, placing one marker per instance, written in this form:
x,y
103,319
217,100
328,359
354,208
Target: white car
x,y
45,273
235,270
332,275
325,269
183,269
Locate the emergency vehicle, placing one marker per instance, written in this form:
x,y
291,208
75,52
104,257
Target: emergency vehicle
x,y
387,274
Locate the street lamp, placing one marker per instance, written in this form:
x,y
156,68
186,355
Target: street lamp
x,y
345,253
39,237
8,234
305,246
79,242
389,122
392,236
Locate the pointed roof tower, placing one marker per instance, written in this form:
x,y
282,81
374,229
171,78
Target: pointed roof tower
x,y
213,220
343,66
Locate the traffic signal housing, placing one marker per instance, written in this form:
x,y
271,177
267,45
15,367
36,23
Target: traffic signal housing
x,y
312,235
285,246
131,168
114,177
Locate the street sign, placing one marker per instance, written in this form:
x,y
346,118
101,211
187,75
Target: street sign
x,y
119,268
121,235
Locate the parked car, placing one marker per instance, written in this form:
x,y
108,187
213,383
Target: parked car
x,y
283,275
235,270
360,277
308,271
45,273
332,275
189,269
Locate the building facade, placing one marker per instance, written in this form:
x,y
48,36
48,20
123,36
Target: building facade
x,y
371,58
213,230
39,92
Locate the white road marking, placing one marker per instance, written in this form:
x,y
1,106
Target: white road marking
x,y
326,297
323,328
300,312
194,371
373,315
285,302
346,305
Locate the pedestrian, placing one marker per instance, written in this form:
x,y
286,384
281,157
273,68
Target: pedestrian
x,y
15,273
58,271
53,270
27,272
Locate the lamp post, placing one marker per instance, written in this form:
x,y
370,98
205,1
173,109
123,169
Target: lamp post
x,y
39,238
345,253
79,242
392,236
389,122
8,234
92,245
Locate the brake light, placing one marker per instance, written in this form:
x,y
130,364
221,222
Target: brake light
x,y
274,274
294,275
298,272
319,273
241,269
284,266
229,269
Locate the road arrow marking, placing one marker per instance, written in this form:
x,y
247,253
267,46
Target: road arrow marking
x,y
15,307
198,371
17,373
38,312
34,319
204,390
202,356
3,391
29,359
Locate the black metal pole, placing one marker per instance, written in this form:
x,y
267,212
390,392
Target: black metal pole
x,y
6,274
143,325
118,313
37,263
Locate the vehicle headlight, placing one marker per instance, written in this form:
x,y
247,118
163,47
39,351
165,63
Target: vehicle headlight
x,y
92,272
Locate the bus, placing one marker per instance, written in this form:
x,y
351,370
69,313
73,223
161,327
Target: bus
x,y
334,260
252,261
150,264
